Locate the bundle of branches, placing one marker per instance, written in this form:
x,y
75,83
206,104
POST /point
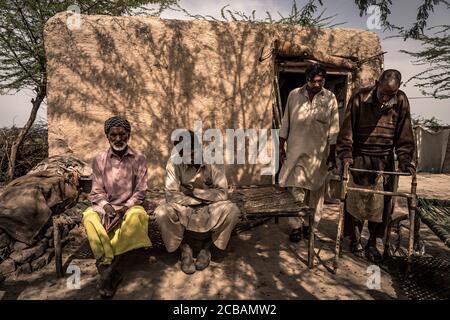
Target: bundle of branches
x,y
33,150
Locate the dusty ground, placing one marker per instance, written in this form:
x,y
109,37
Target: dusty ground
x,y
260,264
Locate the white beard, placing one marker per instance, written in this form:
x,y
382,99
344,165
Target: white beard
x,y
119,149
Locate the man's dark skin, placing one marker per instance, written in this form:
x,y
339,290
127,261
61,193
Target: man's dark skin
x,y
117,137
186,257
385,92
190,192
313,87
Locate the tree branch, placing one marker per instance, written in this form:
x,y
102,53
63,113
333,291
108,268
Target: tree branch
x,y
5,40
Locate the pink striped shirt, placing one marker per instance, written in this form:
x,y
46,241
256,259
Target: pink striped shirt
x,y
118,181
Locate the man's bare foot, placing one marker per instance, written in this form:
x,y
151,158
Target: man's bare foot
x,y
101,269
113,283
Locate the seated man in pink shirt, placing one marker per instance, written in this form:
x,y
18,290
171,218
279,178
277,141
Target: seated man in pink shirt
x,y
117,222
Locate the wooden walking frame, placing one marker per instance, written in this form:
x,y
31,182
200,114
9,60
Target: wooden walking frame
x,y
411,200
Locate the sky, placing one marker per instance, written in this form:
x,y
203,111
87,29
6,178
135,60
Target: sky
x,y
14,108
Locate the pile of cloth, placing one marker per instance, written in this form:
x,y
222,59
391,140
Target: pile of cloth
x,y
28,202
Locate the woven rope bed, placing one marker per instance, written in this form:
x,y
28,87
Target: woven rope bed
x,y
436,215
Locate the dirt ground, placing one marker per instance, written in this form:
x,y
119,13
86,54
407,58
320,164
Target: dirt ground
x,y
260,263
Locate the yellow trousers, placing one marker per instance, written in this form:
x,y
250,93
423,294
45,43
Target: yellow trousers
x,y
131,234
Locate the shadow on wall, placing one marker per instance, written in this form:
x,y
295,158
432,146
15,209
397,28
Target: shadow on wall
x,y
162,75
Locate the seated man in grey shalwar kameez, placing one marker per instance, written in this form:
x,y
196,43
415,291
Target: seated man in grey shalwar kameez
x,y
196,201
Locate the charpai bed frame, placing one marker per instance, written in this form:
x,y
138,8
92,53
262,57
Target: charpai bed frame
x,y
435,214
256,203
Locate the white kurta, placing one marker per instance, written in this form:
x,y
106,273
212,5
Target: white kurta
x,y
310,128
208,211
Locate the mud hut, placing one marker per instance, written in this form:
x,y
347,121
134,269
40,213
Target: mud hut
x,y
166,74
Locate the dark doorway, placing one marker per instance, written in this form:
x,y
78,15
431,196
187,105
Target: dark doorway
x,y
335,82
291,75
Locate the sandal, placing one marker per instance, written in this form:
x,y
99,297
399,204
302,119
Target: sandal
x,y
187,260
356,248
203,259
297,234
372,254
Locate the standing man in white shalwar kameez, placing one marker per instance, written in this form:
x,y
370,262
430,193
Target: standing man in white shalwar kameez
x,y
310,127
